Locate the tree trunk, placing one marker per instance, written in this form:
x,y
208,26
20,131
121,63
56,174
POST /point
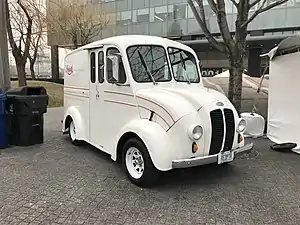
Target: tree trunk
x,y
236,81
231,83
32,72
54,62
21,74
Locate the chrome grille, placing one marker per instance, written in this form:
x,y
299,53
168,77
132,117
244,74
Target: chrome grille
x,y
230,129
217,131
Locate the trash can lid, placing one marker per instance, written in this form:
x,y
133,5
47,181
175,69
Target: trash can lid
x,y
27,90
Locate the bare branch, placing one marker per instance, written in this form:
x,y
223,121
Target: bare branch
x,y
213,6
223,25
254,3
9,30
235,3
263,9
29,31
77,23
202,23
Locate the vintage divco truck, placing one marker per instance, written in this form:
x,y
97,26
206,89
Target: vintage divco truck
x,y
141,100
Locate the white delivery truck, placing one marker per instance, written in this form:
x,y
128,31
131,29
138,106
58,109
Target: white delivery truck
x,y
141,100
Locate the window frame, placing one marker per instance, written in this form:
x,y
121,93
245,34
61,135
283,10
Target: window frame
x,y
106,76
137,45
99,69
92,70
196,63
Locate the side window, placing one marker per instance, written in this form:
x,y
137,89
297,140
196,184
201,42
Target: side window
x,y
101,67
109,68
93,67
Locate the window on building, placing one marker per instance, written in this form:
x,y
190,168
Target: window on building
x,y
161,13
138,4
207,9
178,11
109,68
111,18
93,67
101,67
142,15
125,18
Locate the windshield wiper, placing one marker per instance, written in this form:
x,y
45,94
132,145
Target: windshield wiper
x,y
184,67
146,68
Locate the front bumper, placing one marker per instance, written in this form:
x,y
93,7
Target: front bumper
x,y
184,163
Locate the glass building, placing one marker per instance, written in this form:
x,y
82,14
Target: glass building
x,y
175,19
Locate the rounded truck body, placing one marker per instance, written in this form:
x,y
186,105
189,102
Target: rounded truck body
x,y
141,100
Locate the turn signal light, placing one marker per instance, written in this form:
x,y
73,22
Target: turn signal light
x,y
240,137
194,147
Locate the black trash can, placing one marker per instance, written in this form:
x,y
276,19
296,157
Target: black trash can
x,y
26,107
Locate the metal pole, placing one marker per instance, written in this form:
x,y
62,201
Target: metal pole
x,y
5,83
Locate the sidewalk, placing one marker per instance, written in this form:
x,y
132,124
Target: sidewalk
x,y
58,183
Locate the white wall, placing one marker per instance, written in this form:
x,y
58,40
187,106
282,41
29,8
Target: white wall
x,y
284,100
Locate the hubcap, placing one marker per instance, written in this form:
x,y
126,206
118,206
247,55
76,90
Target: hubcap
x,y
134,162
72,131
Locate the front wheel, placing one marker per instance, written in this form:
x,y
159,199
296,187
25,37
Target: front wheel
x,y
138,164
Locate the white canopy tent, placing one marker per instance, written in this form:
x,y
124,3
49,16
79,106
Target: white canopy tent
x,y
284,92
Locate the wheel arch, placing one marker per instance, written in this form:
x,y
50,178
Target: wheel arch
x,y
124,138
73,114
153,136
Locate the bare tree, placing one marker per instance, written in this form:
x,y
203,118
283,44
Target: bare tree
x,y
19,25
39,31
76,22
233,46
21,10
35,49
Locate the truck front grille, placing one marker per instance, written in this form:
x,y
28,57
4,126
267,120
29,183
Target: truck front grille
x,y
217,131
230,129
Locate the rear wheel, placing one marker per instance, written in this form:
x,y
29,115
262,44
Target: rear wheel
x,y
72,134
138,164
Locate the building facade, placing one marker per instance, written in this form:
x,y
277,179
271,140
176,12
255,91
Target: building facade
x,y
175,19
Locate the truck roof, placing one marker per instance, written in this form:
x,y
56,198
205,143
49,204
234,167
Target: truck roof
x,y
128,40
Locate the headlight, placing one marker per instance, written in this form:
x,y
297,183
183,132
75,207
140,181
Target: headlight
x,y
241,126
195,132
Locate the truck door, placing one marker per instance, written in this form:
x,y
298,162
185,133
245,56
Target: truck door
x,y
96,96
119,106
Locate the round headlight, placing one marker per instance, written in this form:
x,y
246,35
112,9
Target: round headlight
x,y
195,132
242,125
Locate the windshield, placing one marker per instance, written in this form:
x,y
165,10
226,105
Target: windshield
x,y
184,65
148,63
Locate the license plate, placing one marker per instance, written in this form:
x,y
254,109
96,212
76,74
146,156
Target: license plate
x,y
224,157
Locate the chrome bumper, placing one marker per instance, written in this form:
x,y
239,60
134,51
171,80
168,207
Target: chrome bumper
x,y
184,163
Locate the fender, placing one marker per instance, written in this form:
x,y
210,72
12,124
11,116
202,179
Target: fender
x,y
78,121
155,138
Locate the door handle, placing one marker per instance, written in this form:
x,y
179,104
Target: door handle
x,y
97,94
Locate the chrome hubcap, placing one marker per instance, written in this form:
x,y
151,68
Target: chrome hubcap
x,y
134,162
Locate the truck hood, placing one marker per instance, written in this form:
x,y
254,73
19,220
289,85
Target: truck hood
x,y
178,102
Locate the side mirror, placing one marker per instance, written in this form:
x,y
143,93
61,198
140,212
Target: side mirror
x,y
115,59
